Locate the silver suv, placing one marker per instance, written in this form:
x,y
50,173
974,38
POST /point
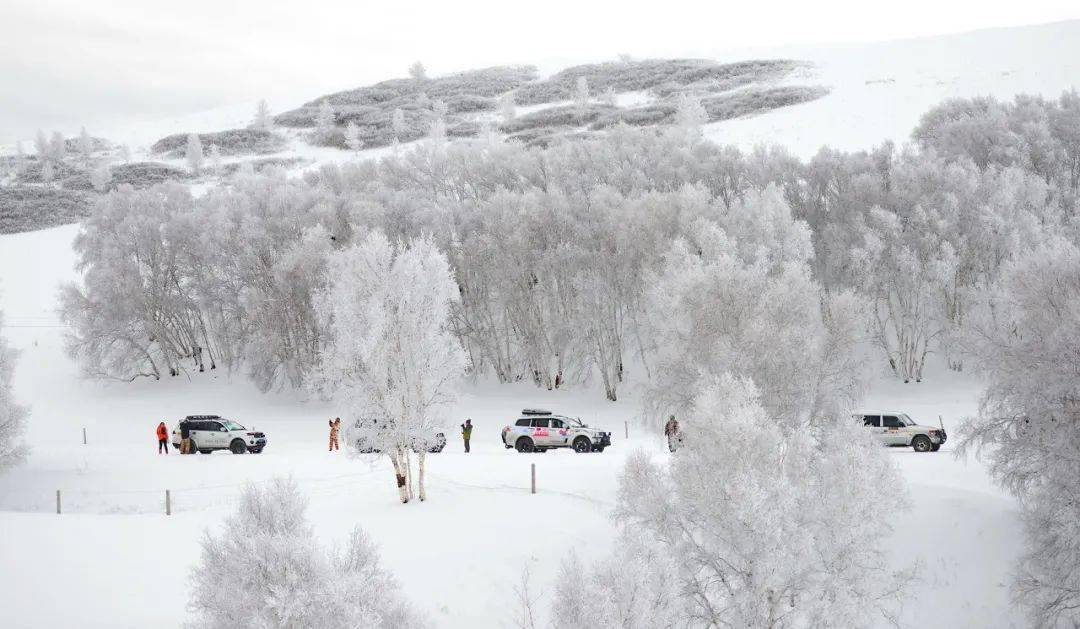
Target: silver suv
x,y
212,432
539,431
898,430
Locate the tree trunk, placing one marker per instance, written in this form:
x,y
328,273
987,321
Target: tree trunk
x,y
420,460
399,476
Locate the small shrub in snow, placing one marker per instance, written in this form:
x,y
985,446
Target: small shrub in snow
x,y
266,571
566,115
759,100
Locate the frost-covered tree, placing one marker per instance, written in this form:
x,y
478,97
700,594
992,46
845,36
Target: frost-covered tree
x,y
266,570
397,123
262,116
418,72
215,159
194,153
352,137
12,415
325,125
101,177
609,98
47,172
391,356
125,153
689,113
57,147
41,145
86,146
758,525
1028,425
507,108
581,92
20,157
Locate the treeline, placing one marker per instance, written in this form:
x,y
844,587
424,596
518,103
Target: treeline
x,y
552,247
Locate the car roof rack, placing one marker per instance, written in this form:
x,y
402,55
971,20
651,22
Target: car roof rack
x,y
203,417
535,411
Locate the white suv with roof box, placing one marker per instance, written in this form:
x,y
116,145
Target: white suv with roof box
x,y
212,432
539,431
898,430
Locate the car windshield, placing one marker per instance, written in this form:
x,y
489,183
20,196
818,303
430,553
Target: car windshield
x,y
907,420
572,421
232,425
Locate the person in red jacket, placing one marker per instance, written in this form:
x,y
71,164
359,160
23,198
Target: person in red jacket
x,y
162,438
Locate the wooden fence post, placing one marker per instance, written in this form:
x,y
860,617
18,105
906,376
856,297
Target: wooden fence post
x,y
168,502
534,478
57,502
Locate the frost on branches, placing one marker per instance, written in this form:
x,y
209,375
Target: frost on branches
x,y
391,357
751,525
12,415
266,571
1028,425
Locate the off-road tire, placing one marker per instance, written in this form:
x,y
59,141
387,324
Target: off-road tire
x,y
206,451
582,445
921,443
598,449
524,445
255,450
935,447
237,446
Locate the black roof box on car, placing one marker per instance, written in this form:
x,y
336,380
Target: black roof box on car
x,y
203,417
534,411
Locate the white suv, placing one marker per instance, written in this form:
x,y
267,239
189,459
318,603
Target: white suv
x,y
539,431
212,432
898,430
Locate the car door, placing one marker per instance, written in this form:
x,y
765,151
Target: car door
x,y
559,432
541,433
896,432
873,424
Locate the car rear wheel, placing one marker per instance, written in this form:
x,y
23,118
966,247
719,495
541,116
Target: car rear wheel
x,y
582,445
935,447
921,443
255,450
237,446
524,444
598,448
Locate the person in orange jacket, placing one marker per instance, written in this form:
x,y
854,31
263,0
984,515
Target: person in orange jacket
x,y
162,438
335,427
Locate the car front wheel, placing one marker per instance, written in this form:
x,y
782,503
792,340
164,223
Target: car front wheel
x,y
237,446
921,444
582,445
524,444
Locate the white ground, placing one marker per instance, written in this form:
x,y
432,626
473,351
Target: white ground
x,y
113,559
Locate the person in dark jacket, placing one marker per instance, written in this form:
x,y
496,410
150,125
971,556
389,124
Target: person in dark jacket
x,y
185,438
466,433
671,431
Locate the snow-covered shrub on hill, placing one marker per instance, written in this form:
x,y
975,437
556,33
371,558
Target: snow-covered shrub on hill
x,y
1028,425
390,354
232,142
12,415
26,208
266,570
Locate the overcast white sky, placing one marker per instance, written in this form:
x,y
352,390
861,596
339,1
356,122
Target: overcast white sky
x,y
66,63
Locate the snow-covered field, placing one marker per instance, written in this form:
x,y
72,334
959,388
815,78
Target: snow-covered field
x,y
114,559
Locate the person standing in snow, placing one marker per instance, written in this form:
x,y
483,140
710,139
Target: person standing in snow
x,y
162,438
185,438
466,433
335,427
671,431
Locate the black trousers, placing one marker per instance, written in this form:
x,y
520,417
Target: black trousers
x,y
466,445
163,443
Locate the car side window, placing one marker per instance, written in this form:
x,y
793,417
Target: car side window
x,y
542,423
872,420
557,423
524,421
892,421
